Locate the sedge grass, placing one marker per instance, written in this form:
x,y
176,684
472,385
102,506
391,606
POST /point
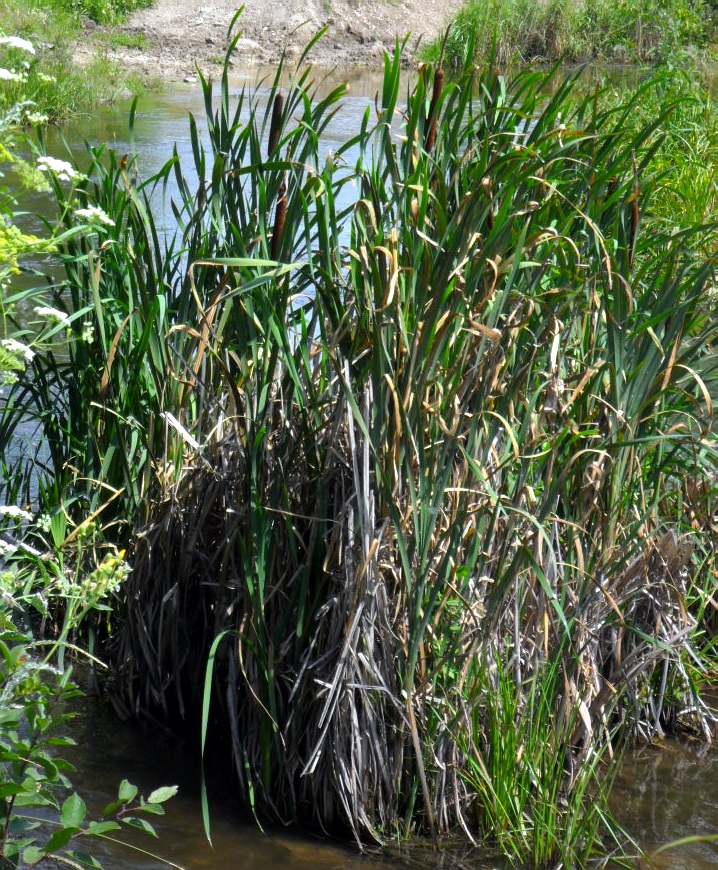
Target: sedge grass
x,y
417,471
519,31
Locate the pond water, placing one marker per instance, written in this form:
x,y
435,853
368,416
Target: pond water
x,y
109,750
661,794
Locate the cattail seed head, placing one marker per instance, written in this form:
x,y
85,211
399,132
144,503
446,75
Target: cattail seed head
x,y
276,126
433,117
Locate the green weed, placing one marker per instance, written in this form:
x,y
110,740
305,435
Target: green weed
x,y
518,31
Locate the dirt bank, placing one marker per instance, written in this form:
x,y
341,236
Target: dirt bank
x,y
174,35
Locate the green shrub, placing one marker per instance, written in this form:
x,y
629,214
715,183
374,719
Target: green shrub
x,y
516,31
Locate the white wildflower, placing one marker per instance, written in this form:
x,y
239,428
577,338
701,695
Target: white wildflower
x,y
44,523
61,168
14,512
35,118
52,314
94,215
7,76
18,42
88,332
6,548
44,77
17,347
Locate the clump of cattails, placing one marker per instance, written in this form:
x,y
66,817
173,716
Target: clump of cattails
x,y
433,116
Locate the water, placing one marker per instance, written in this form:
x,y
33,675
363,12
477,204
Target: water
x,y
667,792
109,750
661,794
161,121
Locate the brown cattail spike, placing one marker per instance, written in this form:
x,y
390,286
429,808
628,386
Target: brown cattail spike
x,y
280,215
434,108
276,126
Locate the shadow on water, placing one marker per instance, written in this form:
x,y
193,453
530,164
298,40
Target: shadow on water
x,y
109,750
661,794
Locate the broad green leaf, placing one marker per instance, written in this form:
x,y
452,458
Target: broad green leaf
x,y
160,795
11,714
32,855
61,741
60,838
127,792
96,828
142,824
20,825
112,808
155,809
73,811
85,859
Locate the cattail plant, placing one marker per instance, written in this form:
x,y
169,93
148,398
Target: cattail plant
x,y
425,557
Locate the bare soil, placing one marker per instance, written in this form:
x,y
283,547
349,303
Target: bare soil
x,y
174,37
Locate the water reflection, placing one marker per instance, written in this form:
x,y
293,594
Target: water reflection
x,y
161,122
662,793
109,750
667,792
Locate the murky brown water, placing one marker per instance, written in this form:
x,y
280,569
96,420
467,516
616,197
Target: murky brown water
x,y
662,793
108,751
670,791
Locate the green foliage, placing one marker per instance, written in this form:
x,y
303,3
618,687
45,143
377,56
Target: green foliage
x,y
64,581
14,244
515,753
129,40
101,11
686,193
515,31
36,696
45,83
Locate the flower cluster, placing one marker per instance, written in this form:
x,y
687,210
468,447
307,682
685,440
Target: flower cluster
x,y
6,548
63,170
108,577
91,591
94,215
35,117
17,348
18,42
52,314
14,512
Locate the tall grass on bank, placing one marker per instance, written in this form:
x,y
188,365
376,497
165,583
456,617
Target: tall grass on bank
x,y
517,31
423,483
48,83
